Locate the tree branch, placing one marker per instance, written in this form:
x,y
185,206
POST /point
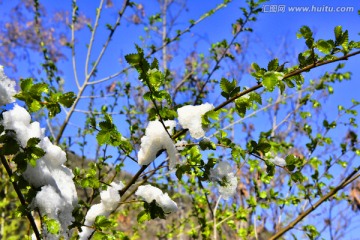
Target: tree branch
x,y
21,197
291,74
343,184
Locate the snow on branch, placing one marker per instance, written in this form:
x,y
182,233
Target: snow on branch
x,y
156,139
57,197
190,118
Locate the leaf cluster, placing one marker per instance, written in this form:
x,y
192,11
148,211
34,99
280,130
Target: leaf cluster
x,y
40,95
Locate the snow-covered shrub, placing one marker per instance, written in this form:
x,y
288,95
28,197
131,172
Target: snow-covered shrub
x,y
57,197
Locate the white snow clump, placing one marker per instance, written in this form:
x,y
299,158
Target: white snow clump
x,y
156,139
278,161
109,200
227,181
150,193
190,118
7,88
57,197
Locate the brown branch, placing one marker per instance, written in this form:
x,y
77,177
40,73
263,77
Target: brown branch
x,y
21,197
133,180
291,74
342,185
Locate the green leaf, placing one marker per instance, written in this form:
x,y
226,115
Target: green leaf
x,y
161,95
10,145
103,137
34,106
297,177
213,115
255,97
54,109
226,85
26,84
155,64
147,96
102,222
324,46
32,142
345,40
273,65
304,32
338,33
39,88
207,144
229,88
156,79
263,194
52,225
143,216
255,66
133,58
271,79
241,104
67,99
291,159
33,154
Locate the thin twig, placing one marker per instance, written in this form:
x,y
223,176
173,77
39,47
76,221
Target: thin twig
x,y
176,37
215,225
89,75
73,58
218,60
96,24
112,31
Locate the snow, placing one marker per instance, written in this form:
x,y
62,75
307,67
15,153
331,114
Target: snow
x,y
227,182
49,201
7,88
180,145
57,197
55,156
278,161
156,139
190,118
109,200
111,196
150,193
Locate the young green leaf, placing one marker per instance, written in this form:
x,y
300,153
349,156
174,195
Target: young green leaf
x,y
324,46
271,79
273,65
